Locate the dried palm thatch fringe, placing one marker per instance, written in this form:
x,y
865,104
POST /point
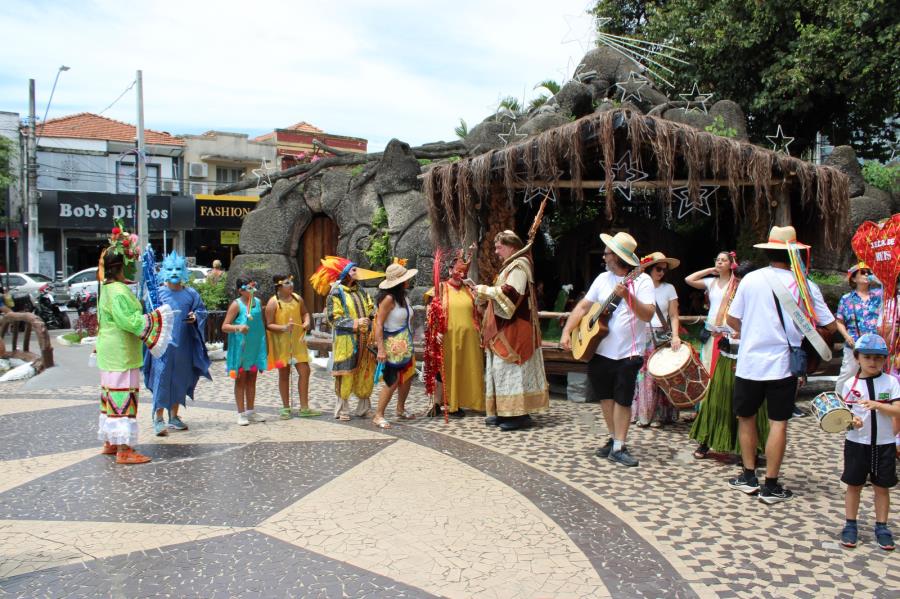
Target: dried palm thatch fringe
x,y
663,148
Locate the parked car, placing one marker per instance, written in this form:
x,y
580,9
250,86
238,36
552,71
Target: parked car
x,y
25,282
198,273
83,281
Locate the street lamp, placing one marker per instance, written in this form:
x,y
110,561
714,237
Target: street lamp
x,y
53,89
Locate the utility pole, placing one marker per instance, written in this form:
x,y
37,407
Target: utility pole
x,y
31,183
143,230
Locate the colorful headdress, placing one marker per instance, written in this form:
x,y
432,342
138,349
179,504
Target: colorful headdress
x,y
857,267
334,269
174,269
124,244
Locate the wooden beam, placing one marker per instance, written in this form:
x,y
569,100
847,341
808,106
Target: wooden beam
x,y
640,184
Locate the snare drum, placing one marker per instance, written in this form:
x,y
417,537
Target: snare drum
x,y
831,412
679,374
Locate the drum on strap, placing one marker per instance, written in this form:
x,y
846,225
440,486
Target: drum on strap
x,y
832,413
679,374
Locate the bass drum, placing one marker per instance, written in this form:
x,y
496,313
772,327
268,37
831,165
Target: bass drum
x,y
679,374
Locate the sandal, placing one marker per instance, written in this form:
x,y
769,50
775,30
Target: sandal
x,y
701,452
402,415
382,423
109,449
308,413
130,456
344,417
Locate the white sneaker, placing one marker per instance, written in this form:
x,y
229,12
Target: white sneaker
x,y
242,420
254,417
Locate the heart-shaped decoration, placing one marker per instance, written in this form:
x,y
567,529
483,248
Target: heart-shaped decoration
x,y
876,244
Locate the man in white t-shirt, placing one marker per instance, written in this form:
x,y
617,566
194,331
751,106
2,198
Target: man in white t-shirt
x,y
613,369
763,364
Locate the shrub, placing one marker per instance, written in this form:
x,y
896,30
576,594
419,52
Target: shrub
x,y
212,294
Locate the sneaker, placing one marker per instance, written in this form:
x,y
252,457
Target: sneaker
x,y
623,457
747,485
284,414
849,535
159,427
254,417
176,423
798,413
770,495
492,421
604,451
242,420
883,537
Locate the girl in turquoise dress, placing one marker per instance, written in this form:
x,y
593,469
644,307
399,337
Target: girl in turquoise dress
x,y
246,328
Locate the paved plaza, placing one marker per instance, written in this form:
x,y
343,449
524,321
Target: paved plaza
x,y
318,508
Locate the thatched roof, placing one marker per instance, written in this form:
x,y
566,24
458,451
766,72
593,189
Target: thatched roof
x,y
575,156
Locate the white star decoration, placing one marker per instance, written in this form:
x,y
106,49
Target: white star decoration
x,y
513,136
632,173
780,142
538,193
696,98
687,206
631,87
262,175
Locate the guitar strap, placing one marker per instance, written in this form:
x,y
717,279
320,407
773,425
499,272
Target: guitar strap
x,y
790,306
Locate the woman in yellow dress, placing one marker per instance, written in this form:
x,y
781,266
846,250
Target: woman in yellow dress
x,y
288,320
459,337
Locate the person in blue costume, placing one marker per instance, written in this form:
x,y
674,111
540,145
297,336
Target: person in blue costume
x,y
173,377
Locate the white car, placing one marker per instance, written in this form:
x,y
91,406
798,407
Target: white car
x,y
21,283
84,281
198,273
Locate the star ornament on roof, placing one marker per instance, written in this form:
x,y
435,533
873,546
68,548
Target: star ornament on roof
x,y
627,171
695,99
538,193
686,206
513,136
631,87
780,142
262,175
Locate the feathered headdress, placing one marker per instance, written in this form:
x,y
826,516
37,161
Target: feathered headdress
x,y
122,243
332,270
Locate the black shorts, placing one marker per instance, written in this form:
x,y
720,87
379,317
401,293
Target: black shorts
x,y
613,379
779,397
859,462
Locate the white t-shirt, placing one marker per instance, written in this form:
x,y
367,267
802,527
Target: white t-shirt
x,y
763,354
887,388
627,333
716,294
665,293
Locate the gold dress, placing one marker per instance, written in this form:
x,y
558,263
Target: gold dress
x,y
289,347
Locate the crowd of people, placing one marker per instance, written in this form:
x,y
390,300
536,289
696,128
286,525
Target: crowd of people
x,y
483,353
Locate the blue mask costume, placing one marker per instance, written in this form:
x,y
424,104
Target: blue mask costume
x,y
174,269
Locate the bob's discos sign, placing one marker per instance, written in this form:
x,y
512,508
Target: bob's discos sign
x,y
96,211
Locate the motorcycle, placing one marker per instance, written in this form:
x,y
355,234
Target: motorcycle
x,y
85,304
47,310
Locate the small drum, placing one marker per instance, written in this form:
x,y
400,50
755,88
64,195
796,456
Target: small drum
x,y
831,412
679,374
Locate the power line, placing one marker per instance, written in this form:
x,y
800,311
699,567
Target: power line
x,y
127,89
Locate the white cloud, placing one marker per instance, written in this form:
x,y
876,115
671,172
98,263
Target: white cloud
x,y
376,70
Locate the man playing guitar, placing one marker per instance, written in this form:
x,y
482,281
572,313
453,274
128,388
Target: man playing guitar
x,y
613,369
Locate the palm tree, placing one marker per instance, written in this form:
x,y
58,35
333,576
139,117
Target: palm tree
x,y
511,103
461,130
550,85
538,102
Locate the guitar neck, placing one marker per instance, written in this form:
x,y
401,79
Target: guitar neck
x,y
612,301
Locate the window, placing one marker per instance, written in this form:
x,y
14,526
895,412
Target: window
x,y
126,174
14,280
228,175
83,277
38,277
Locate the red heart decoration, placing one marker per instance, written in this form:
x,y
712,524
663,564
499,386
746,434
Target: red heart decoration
x,y
876,244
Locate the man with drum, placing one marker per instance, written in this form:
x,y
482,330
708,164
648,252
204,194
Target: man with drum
x,y
765,308
613,370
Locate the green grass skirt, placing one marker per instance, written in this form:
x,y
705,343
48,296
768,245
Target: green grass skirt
x,y
716,424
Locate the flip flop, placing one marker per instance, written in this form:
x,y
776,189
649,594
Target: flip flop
x,y
308,413
344,417
381,423
404,416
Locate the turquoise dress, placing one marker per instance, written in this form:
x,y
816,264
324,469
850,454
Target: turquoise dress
x,y
247,351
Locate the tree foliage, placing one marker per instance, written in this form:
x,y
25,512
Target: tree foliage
x,y
826,66
7,151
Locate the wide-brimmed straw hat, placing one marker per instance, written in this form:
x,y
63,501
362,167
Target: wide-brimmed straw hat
x,y
782,238
623,245
656,258
396,274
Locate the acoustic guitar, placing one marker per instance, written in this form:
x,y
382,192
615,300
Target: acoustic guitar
x,y
594,326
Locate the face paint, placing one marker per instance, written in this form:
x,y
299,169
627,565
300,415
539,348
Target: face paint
x,y
174,269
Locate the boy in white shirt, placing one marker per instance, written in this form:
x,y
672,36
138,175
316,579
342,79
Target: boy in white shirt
x,y
874,398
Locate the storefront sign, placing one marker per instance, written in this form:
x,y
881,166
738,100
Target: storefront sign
x,y
96,211
222,212
230,237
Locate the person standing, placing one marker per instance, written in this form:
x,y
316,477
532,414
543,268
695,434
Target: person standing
x,y
462,374
393,334
216,273
857,314
651,407
515,383
246,327
287,321
767,366
612,371
349,310
719,286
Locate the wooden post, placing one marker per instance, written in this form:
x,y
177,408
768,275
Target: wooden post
x,y
782,195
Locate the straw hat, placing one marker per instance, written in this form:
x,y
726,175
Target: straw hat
x,y
623,245
779,238
656,258
396,274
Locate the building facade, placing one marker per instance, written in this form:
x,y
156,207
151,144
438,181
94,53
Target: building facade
x,y
294,144
11,247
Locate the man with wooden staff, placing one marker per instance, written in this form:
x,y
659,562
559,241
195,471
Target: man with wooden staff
x,y
773,310
613,369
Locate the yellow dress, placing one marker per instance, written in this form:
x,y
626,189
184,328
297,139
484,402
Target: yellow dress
x,y
288,348
463,372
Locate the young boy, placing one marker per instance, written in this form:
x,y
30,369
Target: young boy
x,y
874,398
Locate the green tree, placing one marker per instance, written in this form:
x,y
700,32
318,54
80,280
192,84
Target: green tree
x,y
7,173
461,130
550,85
826,66
511,103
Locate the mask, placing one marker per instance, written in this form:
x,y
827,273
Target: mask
x,y
174,269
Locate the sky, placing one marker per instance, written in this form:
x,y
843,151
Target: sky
x,y
377,70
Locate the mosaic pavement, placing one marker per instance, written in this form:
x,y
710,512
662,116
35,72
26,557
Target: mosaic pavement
x,y
317,508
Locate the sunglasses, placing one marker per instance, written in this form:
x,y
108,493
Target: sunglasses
x,y
864,272
660,268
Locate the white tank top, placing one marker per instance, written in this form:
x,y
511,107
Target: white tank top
x,y
397,318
